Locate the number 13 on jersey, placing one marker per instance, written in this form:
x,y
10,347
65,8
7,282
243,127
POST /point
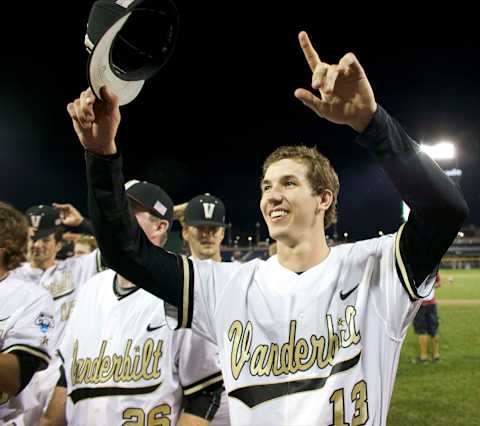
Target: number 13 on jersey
x,y
358,397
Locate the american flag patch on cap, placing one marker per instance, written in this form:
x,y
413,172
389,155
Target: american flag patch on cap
x,y
160,208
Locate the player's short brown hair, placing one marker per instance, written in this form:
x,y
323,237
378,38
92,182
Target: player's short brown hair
x,y
13,236
321,174
88,240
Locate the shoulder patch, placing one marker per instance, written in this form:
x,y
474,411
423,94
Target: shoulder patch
x,y
44,322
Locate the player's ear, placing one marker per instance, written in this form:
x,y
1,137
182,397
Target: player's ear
x,y
58,245
324,201
185,232
162,226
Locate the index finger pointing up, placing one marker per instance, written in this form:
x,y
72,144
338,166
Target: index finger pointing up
x,y
310,54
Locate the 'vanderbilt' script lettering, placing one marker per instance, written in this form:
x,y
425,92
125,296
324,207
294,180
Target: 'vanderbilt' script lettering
x,y
133,365
293,355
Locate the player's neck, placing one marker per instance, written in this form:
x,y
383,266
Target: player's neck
x,y
217,257
124,283
43,265
304,255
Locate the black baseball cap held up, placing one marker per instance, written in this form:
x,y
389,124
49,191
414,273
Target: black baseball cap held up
x,y
152,197
129,41
44,219
204,210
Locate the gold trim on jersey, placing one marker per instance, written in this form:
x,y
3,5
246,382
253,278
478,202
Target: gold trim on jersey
x,y
292,356
135,364
401,266
186,292
190,390
32,351
98,261
61,285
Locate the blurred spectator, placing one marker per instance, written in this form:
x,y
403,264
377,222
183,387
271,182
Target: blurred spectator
x,y
425,325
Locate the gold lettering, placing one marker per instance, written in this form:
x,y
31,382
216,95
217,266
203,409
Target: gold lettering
x,y
257,364
235,334
354,335
122,368
96,364
147,355
333,342
127,361
301,353
157,355
287,350
105,370
293,355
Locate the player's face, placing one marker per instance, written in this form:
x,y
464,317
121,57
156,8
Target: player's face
x,y
288,205
154,228
81,249
42,252
204,241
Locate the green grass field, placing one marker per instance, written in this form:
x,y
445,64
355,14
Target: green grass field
x,y
446,393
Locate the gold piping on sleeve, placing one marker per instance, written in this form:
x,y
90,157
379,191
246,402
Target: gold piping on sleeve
x,y
401,266
199,387
186,292
32,351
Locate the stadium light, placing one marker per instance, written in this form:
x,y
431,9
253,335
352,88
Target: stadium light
x,y
440,151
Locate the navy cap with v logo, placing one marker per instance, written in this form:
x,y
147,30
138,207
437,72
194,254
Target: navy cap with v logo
x,y
44,219
205,210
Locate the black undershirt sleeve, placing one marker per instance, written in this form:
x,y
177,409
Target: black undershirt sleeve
x,y
123,245
29,365
85,227
206,403
437,206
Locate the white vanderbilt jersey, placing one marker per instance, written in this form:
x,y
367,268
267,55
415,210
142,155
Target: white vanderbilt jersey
x,y
63,280
26,322
123,365
317,348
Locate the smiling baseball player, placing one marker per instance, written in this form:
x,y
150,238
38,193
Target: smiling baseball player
x,y
313,335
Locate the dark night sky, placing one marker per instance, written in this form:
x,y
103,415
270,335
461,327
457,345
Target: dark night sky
x,y
228,94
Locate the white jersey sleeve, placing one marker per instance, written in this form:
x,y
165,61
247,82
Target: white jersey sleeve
x,y
196,376
26,322
388,283
63,281
203,286
26,319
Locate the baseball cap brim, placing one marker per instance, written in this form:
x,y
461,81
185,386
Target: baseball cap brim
x,y
42,233
100,72
205,223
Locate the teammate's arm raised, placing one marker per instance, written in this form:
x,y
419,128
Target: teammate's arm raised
x,y
121,241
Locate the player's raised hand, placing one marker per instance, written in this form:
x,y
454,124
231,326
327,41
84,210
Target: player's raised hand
x,y
95,121
69,215
179,212
346,96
